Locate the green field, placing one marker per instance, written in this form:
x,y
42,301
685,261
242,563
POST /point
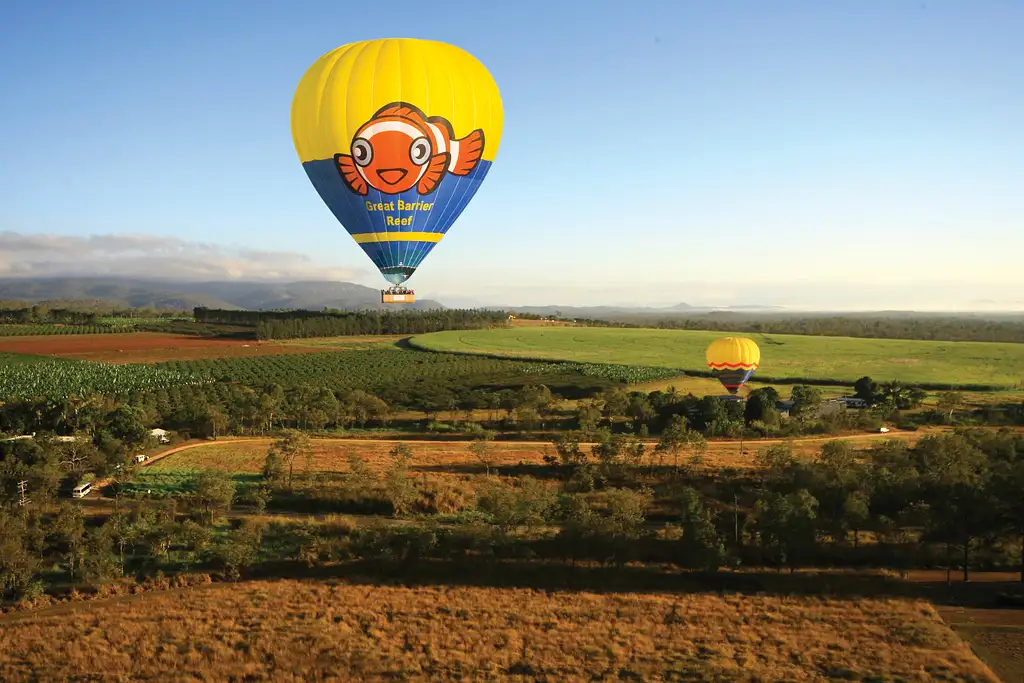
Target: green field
x,y
26,376
841,359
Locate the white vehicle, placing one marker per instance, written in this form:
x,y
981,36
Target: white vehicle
x,y
82,490
883,430
141,457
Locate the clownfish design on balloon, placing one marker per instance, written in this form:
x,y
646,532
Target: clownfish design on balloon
x,y
400,148
396,137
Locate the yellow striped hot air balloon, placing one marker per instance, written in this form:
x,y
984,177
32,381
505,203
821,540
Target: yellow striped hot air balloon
x,y
733,360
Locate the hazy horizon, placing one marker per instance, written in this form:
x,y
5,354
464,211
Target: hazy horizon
x,y
159,258
827,156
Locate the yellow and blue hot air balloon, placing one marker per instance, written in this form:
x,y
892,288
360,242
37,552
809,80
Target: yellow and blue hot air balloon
x,y
396,136
733,360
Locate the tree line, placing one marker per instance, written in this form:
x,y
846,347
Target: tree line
x,y
109,430
327,323
909,326
951,501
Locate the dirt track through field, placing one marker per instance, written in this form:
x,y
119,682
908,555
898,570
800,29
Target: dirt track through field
x,y
995,635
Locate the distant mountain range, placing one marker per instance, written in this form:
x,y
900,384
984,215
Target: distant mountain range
x,y
179,295
255,295
598,312
106,292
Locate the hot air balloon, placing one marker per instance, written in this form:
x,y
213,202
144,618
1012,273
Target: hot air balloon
x,y
396,136
733,360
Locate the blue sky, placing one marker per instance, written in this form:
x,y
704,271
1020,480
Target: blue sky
x,y
858,153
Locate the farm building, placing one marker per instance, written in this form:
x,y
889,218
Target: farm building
x,y
160,435
852,402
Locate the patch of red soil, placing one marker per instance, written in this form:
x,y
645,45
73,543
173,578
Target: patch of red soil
x,y
145,347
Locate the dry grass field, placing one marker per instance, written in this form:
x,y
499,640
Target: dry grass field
x,y
333,631
331,455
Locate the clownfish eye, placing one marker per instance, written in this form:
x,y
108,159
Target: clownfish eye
x,y
362,151
419,152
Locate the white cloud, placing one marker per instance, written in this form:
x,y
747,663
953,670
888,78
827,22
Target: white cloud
x,y
150,256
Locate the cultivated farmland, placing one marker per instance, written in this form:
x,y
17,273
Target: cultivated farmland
x,y
142,347
369,368
102,326
298,631
782,356
24,376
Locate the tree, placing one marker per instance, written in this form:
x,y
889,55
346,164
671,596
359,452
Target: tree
x,y
948,403
701,547
616,403
360,407
482,450
677,436
569,452
69,532
640,409
400,489
954,479
292,445
273,467
915,397
777,458
100,564
128,424
841,476
607,450
239,548
620,524
806,402
787,525
18,565
588,417
215,490
527,417
760,407
78,456
866,390
1007,487
217,420
856,513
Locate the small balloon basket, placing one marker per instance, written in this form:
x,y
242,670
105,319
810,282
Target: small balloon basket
x,y
397,295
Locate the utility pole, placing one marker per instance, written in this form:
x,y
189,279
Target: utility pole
x,y
736,516
22,493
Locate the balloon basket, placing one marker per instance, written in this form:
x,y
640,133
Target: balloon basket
x,y
397,295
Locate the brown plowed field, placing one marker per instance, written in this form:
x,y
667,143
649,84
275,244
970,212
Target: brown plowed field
x,y
145,347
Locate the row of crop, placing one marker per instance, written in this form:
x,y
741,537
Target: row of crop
x,y
103,326
58,378
354,369
368,369
50,329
